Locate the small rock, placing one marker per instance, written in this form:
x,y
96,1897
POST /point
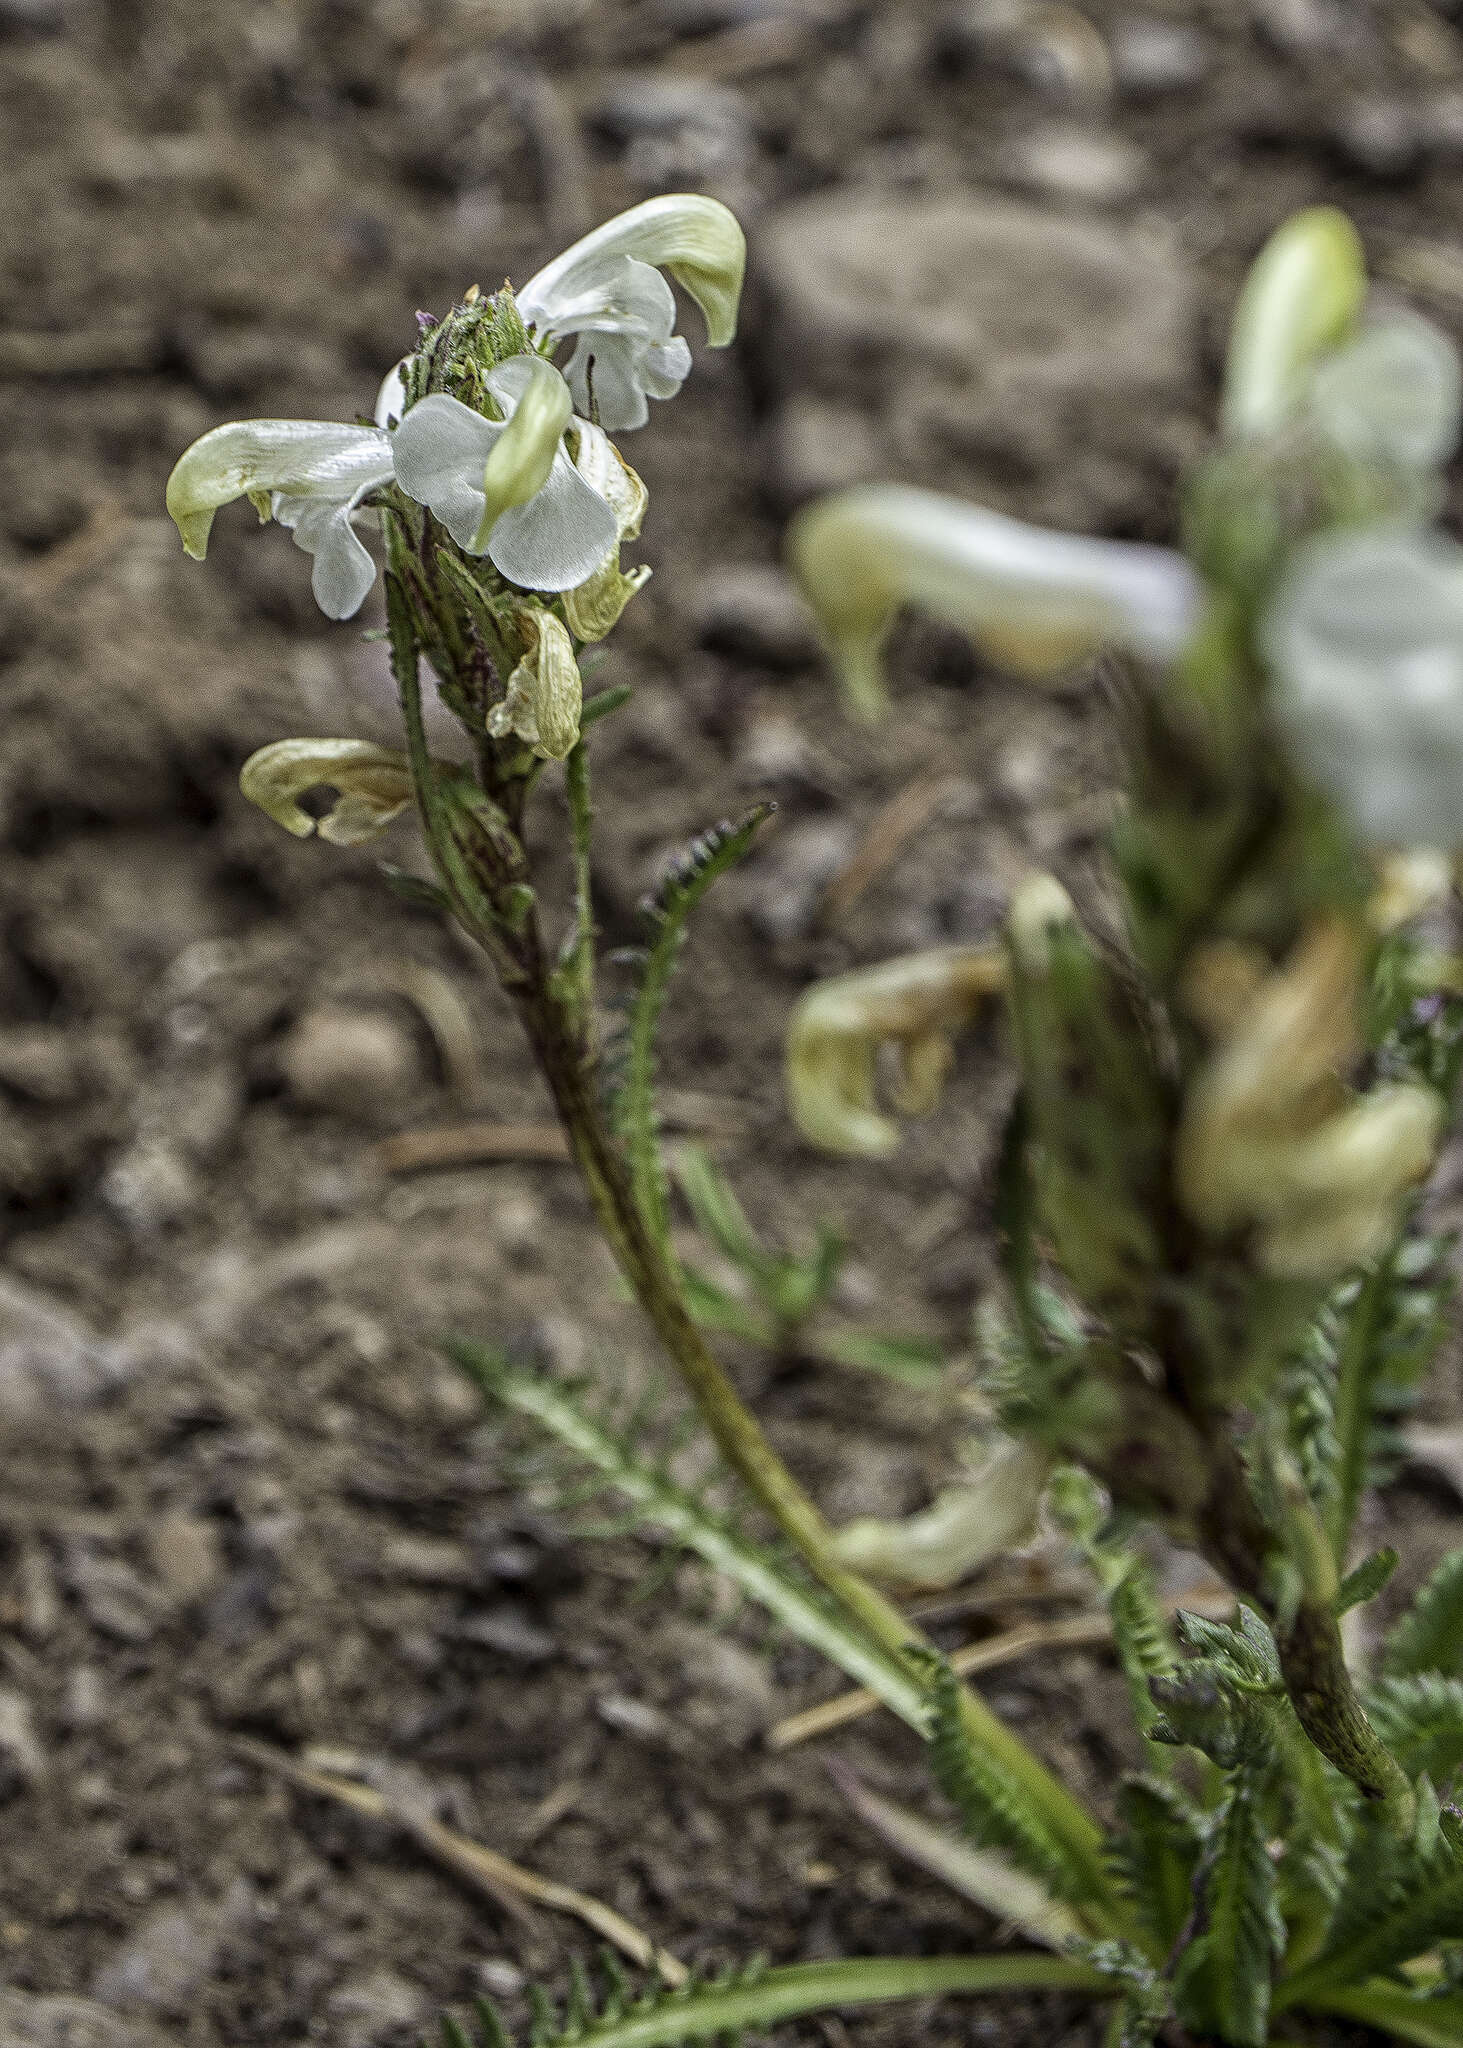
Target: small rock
x,y
116,1599
48,1355
677,125
1379,136
84,1706
509,1631
1150,57
150,1186
429,1560
756,611
744,1695
22,1760
353,1062
27,2021
40,1063
173,1950
783,890
377,2003
1304,28
500,1978
1088,165
185,1553
632,1717
773,754
816,445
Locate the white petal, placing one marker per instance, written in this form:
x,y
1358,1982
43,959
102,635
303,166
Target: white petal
x,y
306,458
343,571
608,293
391,398
1037,600
1392,394
602,376
559,538
1365,638
696,239
441,450
665,366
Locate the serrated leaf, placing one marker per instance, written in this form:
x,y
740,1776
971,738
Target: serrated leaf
x,y
1365,1582
1222,1984
1156,1853
1429,1637
1420,1718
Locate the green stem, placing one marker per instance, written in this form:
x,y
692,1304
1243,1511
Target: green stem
x,y
799,1988
576,785
1354,1371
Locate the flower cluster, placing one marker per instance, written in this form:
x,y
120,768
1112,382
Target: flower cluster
x,y
523,475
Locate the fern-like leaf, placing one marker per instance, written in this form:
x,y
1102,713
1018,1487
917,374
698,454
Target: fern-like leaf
x,y
993,1812
1429,1637
667,913
765,1576
1223,1981
1420,1718
1155,1853
751,1996
1400,1898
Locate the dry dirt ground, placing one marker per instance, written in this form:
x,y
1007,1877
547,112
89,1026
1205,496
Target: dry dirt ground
x,y
241,1495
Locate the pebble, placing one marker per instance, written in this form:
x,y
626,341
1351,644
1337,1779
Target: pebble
x,y
672,124
509,1631
150,1186
744,1696
22,1760
1378,135
632,1717
500,1978
816,445
354,1063
84,1706
1151,57
173,1950
48,1355
376,2004
31,2021
185,1554
756,611
773,754
1087,165
116,1600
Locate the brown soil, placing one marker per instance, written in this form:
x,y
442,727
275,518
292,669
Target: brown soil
x,y
286,1518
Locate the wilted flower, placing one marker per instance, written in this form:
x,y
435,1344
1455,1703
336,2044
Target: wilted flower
x,y
545,695
508,488
309,475
1271,1136
1365,643
915,1004
1035,601
607,290
373,785
592,608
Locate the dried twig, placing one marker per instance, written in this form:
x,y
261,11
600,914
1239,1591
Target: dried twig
x,y
471,1144
1077,1631
894,823
507,1884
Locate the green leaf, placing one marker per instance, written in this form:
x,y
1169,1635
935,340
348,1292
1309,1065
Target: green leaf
x,y
1420,1718
775,1582
993,1810
1400,1898
1429,1637
1222,1985
913,1361
1425,2022
719,1215
754,1997
668,912
603,703
1365,1582
1155,1855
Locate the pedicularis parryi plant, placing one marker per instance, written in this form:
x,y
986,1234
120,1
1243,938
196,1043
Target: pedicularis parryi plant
x,y
1215,1289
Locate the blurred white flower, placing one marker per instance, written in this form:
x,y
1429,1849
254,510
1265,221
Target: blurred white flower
x,y
1035,601
1302,297
308,474
1392,394
607,290
1364,640
508,488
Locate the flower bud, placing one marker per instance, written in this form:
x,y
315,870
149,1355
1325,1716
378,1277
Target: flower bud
x,y
1303,297
545,694
916,1004
373,785
1036,602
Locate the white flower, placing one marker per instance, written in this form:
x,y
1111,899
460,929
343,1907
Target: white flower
x,y
1303,297
1392,394
373,785
607,290
309,475
1035,601
507,488
1365,642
